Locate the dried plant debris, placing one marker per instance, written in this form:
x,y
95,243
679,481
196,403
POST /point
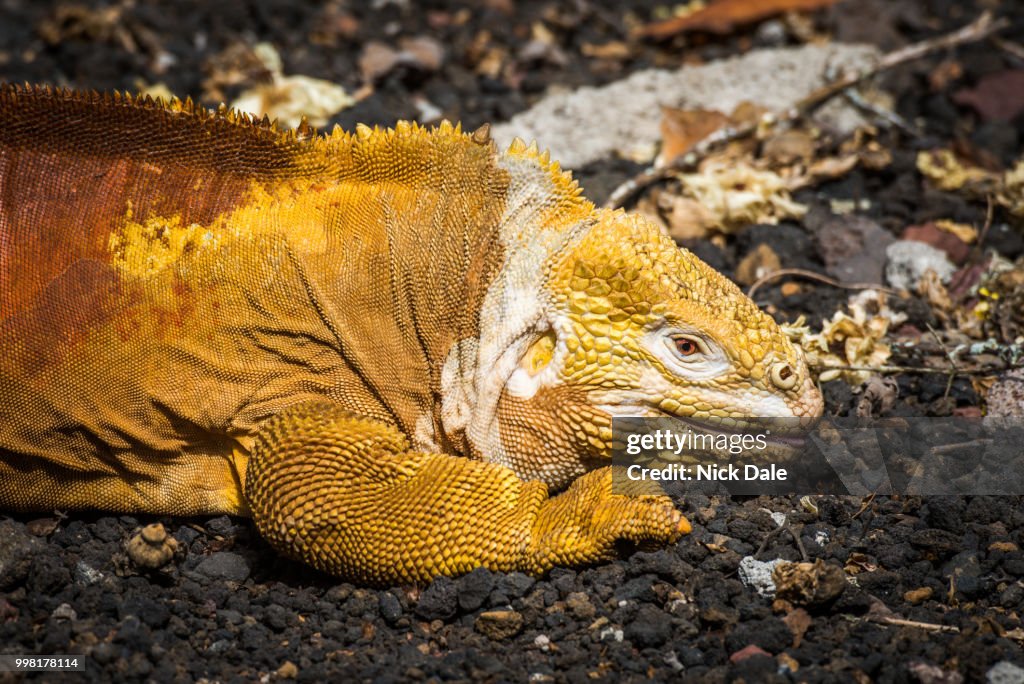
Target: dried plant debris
x,y
580,127
289,99
852,343
113,24
725,16
947,171
749,180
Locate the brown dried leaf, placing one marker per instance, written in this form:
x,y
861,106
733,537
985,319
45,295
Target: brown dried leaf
x,y
791,146
686,218
681,129
756,264
951,241
736,194
997,97
858,563
1012,194
41,527
947,172
615,49
376,60
809,584
289,99
798,621
823,169
725,15
423,52
855,339
961,231
915,596
945,73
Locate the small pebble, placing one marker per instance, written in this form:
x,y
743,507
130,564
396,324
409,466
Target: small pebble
x,y
151,547
499,624
224,565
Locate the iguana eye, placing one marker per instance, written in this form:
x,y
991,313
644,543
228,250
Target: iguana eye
x,y
686,346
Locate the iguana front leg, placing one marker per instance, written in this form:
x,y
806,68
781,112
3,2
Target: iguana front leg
x,y
344,494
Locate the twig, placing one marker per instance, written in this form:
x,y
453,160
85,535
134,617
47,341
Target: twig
x,y
884,115
989,212
864,505
1009,47
943,449
953,368
982,27
929,626
796,537
784,527
811,275
909,369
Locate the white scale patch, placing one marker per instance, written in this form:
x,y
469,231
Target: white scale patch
x,y
512,315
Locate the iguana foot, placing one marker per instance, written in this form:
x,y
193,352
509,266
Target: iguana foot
x,y
344,494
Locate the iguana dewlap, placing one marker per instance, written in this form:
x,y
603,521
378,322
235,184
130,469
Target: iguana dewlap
x,y
386,346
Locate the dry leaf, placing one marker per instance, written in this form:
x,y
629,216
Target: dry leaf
x,y
681,129
822,170
798,621
849,339
376,60
915,596
946,172
945,73
686,218
962,231
791,146
725,15
997,97
857,563
809,584
615,49
949,241
1011,195
42,527
736,194
290,98
758,263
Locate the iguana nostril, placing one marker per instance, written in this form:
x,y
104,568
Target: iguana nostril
x,y
783,376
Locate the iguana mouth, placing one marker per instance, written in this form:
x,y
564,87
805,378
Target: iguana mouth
x,y
789,433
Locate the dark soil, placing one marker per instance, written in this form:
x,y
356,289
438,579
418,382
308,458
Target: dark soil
x,y
229,609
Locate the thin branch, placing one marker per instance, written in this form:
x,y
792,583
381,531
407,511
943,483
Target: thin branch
x,y
784,527
910,369
989,213
982,27
929,626
884,115
953,368
811,275
864,505
1010,47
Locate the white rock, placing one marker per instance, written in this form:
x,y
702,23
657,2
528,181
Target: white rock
x,y
757,575
64,612
614,633
1005,672
624,118
908,260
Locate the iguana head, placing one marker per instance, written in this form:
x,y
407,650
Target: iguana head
x,y
638,326
598,314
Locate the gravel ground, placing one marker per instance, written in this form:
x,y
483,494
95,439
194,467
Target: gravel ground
x,y
935,592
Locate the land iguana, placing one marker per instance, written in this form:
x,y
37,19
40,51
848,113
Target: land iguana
x,y
399,351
